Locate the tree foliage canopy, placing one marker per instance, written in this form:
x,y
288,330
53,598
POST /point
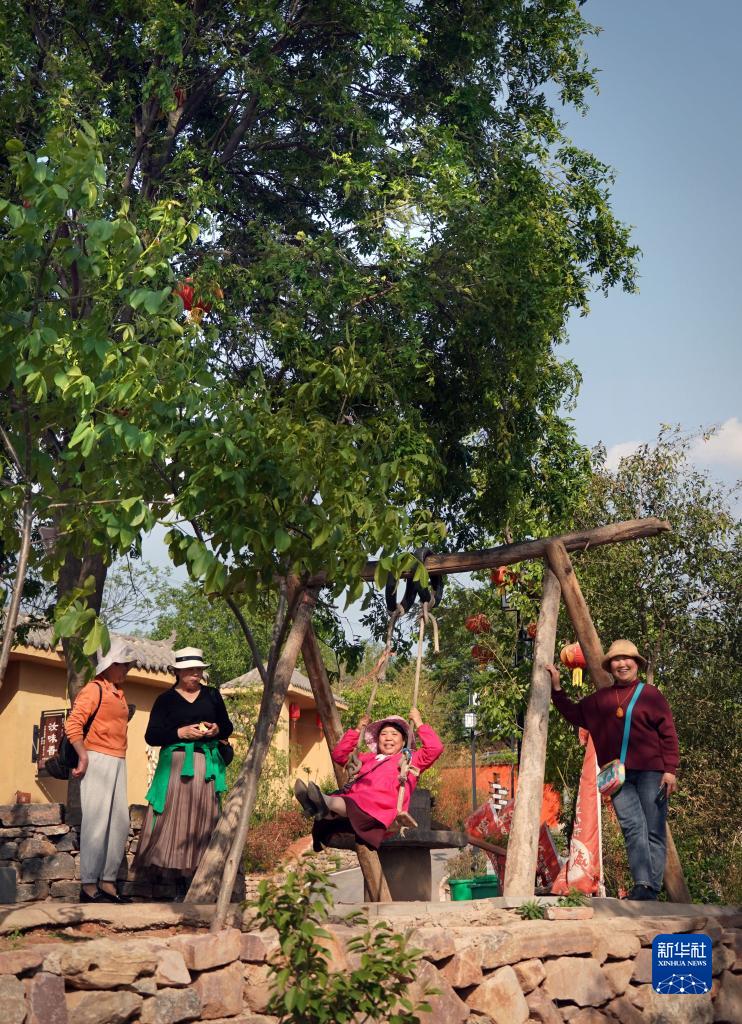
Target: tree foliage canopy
x,y
393,232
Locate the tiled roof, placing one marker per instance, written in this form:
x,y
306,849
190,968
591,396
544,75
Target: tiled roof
x,y
151,655
252,678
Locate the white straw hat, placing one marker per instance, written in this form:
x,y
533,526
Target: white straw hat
x,y
188,657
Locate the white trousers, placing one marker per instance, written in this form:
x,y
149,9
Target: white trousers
x,y
105,818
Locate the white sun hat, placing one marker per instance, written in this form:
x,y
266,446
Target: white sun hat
x,y
188,657
120,652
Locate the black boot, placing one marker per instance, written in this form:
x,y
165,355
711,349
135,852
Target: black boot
x,y
302,795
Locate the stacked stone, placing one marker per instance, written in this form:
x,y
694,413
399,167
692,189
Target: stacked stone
x,y
588,972
149,981
43,851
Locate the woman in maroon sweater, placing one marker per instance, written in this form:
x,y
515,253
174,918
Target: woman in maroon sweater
x,y
652,758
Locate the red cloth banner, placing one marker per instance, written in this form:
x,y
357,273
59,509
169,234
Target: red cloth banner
x,y
583,869
493,826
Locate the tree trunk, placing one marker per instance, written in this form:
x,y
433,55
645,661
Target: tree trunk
x,y
522,851
11,617
368,860
72,575
561,565
231,831
509,554
322,691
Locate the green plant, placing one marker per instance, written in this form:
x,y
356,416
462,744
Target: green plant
x,y
574,898
531,910
468,863
306,990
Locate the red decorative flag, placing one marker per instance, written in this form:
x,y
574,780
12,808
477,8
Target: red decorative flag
x,y
583,869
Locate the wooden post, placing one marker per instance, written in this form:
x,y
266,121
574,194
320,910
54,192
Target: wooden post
x,y
522,851
215,875
368,860
675,884
561,565
509,554
579,613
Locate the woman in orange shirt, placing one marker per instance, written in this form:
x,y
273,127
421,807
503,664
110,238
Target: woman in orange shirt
x,y
102,768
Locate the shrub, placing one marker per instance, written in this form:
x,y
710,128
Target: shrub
x,y
467,863
453,805
268,840
305,989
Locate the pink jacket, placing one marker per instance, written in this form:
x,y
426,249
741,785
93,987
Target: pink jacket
x,y
376,788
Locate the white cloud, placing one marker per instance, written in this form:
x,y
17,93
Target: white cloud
x,y
724,447
620,451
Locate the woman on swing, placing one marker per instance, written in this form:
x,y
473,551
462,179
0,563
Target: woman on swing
x,y
368,804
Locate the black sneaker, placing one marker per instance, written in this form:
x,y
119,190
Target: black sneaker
x,y
642,892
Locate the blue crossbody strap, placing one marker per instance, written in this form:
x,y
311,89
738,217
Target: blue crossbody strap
x,y
627,724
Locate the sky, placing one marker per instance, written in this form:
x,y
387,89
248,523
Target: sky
x,y
667,119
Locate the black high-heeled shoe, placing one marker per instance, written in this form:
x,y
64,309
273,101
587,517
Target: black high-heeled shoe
x,y
87,898
109,897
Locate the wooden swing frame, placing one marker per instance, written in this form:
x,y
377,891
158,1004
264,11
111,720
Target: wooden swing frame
x,y
559,582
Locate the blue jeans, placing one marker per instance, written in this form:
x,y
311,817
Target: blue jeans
x,y
642,816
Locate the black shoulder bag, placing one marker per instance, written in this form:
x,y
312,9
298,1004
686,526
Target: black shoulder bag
x,y
66,758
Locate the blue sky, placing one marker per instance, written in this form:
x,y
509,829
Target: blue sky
x,y
667,119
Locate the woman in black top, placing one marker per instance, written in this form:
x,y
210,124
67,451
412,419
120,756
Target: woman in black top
x,y
191,726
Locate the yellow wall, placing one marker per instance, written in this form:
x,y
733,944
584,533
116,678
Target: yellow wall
x,y
36,684
306,751
36,681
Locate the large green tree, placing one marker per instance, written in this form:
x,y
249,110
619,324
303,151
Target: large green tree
x,y
394,232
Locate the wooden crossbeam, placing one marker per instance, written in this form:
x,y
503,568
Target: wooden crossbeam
x,y
509,554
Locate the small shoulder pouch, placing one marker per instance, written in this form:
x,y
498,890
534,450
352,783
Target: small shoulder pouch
x,y
612,776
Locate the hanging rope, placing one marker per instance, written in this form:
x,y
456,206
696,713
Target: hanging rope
x,y
378,674
404,820
428,599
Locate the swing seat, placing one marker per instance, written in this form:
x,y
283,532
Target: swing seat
x,y
402,821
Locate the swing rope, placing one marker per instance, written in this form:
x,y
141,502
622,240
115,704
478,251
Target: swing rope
x,y
404,820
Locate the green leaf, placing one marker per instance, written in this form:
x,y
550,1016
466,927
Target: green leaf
x,y
281,540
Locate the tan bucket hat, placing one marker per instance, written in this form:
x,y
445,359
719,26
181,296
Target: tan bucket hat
x,y
625,649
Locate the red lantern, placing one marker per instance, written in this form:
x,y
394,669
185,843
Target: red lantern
x,y
572,657
531,630
294,711
196,306
480,654
478,623
503,575
319,722
179,95
185,292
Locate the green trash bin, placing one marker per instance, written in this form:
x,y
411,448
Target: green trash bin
x,y
461,888
484,887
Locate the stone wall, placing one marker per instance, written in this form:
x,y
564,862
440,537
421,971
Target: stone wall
x,y
585,972
44,852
